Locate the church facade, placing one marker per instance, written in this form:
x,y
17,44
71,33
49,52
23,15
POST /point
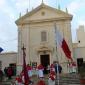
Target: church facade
x,y
36,31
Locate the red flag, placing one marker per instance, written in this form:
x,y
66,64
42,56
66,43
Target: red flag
x,y
26,78
63,44
66,49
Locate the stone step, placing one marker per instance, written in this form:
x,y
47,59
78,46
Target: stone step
x,y
69,82
5,83
68,79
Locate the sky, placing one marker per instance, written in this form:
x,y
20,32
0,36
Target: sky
x,y
10,10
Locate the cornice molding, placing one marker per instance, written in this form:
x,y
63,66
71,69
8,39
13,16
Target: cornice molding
x,y
43,20
22,19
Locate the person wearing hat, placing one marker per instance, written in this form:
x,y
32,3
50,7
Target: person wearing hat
x,y
40,71
52,77
52,68
29,69
18,80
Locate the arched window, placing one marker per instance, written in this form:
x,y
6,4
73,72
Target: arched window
x,y
43,36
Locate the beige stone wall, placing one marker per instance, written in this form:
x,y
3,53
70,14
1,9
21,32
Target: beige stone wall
x,y
79,52
7,58
23,39
29,33
79,47
31,37
81,36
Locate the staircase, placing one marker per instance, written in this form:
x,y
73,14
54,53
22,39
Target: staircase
x,y
64,79
68,79
6,81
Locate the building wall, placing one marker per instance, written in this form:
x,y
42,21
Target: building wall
x,y
7,58
79,52
81,36
79,47
29,34
31,38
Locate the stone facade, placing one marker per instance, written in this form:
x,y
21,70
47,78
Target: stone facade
x,y
79,52
7,58
30,28
79,47
36,31
81,36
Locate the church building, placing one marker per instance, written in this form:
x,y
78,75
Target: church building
x,y
36,31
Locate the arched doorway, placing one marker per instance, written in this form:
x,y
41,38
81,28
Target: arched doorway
x,y
45,61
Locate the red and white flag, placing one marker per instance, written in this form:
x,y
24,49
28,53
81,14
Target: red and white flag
x,y
61,42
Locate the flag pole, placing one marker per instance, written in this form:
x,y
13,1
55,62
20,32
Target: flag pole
x,y
56,54
29,5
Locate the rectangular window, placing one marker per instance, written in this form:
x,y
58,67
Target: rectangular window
x,y
43,36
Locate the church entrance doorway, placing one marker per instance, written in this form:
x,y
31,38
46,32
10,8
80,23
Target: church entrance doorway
x,y
45,61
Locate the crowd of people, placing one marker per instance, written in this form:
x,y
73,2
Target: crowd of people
x,y
52,69
7,73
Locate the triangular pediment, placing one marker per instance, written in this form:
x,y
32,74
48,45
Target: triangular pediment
x,y
43,12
